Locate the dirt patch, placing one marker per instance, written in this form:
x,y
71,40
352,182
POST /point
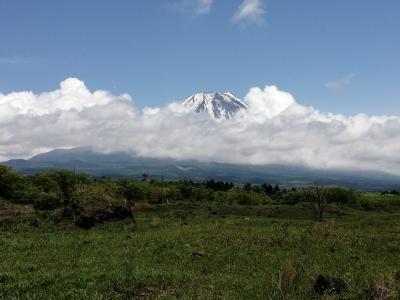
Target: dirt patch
x,y
8,209
147,292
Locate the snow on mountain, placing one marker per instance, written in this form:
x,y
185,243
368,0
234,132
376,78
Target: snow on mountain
x,y
217,105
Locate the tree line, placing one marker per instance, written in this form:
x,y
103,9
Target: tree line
x,y
70,192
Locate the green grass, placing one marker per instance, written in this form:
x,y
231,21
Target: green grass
x,y
189,252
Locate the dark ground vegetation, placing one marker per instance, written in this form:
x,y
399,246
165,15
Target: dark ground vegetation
x,y
67,236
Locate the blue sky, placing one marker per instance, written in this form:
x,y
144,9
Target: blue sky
x,y
339,56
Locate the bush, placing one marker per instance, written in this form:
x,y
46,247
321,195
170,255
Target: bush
x,y
46,182
47,201
294,197
24,191
8,178
186,191
62,182
371,201
131,191
87,220
241,197
95,204
340,196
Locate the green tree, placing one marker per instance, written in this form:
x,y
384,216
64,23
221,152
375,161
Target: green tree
x,y
316,196
267,189
247,187
68,182
8,179
340,196
276,189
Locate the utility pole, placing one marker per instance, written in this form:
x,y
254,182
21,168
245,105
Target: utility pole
x,y
74,183
162,189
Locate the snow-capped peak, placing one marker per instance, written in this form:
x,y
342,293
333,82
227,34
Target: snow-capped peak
x,y
217,105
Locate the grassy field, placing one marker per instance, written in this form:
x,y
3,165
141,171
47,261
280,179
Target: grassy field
x,y
200,252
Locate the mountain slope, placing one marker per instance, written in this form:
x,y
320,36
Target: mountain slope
x,y
217,105
120,165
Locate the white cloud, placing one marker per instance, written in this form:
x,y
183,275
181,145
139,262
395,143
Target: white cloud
x,y
275,129
204,6
198,7
339,83
263,104
250,11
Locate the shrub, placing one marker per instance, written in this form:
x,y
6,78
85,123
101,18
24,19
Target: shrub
x,y
46,201
340,195
131,191
242,197
372,201
294,197
95,204
24,191
8,179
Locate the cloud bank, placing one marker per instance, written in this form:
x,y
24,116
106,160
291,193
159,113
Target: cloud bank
x,y
274,129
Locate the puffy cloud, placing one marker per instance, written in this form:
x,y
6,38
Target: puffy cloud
x,y
274,129
263,104
72,95
65,117
250,11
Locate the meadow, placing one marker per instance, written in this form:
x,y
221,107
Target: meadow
x,y
194,249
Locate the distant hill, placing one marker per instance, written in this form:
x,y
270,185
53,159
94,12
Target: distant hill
x,y
119,165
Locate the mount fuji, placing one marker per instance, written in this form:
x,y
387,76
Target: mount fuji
x,y
217,105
